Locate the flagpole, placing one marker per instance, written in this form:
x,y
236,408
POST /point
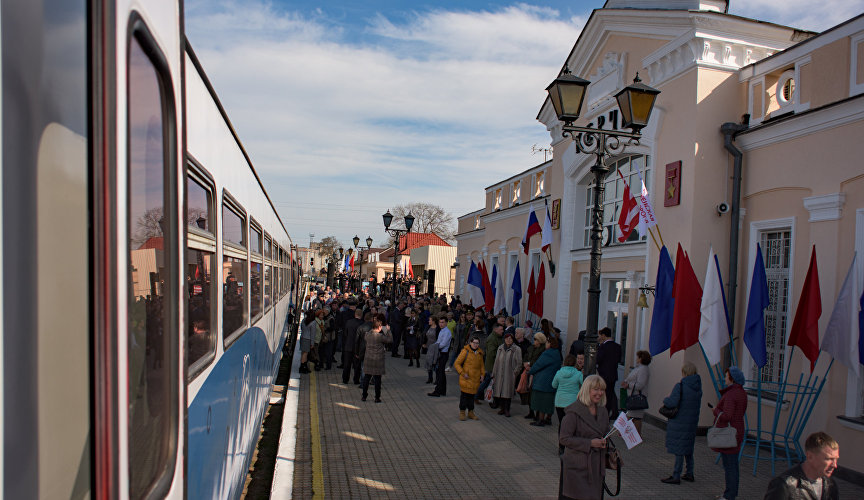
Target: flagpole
x,y
653,238
660,234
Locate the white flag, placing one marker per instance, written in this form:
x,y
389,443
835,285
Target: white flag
x,y
841,335
621,422
713,327
647,218
630,435
500,292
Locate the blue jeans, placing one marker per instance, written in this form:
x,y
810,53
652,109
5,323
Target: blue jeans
x,y
730,466
453,355
679,462
483,385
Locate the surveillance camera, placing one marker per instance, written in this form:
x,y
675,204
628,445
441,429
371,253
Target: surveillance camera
x,y
722,208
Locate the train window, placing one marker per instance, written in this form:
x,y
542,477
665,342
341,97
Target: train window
x,y
268,290
234,312
199,199
268,247
233,227
255,240
200,269
255,288
151,335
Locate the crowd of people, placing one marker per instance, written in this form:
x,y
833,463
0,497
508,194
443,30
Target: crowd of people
x,y
496,361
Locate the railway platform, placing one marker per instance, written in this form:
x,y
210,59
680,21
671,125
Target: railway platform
x,y
414,446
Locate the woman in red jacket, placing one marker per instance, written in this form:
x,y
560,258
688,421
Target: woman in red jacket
x,y
730,411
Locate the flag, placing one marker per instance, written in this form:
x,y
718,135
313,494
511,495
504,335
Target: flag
x,y
714,323
646,211
629,217
409,270
351,262
475,286
664,304
688,299
531,294
492,281
805,327
547,230
841,336
531,229
754,325
500,294
516,286
538,291
488,299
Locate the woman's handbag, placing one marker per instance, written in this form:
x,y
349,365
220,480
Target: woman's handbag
x,y
637,401
488,394
722,437
613,462
671,412
523,388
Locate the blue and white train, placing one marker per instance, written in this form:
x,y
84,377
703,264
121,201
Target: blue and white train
x,y
146,276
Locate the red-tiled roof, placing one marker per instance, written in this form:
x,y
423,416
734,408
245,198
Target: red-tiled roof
x,y
416,240
156,242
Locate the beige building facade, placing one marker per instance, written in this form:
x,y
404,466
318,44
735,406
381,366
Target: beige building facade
x,y
802,183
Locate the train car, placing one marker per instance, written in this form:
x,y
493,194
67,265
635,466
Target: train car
x,y
146,276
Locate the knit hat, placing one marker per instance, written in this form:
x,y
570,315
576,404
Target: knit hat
x,y
736,374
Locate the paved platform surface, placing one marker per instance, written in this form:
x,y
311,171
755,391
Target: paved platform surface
x,y
414,446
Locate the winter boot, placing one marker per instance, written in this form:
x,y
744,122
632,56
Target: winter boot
x,y
461,414
411,362
472,415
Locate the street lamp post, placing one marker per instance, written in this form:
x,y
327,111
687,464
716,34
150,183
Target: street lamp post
x,y
396,233
635,101
360,256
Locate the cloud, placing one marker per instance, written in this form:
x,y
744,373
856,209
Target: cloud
x,y
799,13
430,108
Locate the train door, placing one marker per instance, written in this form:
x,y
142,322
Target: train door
x,y
139,398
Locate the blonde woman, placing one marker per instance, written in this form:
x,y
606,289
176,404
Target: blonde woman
x,y
583,464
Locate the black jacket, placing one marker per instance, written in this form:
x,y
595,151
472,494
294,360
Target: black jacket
x,y
608,356
351,334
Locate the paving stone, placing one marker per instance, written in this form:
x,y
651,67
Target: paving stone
x,y
414,446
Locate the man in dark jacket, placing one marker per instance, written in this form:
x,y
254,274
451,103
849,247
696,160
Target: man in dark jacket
x,y
608,356
578,345
397,322
360,341
811,479
348,348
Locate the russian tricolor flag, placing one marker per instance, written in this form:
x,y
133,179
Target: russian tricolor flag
x,y
532,229
475,286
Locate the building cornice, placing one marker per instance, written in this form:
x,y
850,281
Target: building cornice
x,y
515,210
825,207
628,251
469,235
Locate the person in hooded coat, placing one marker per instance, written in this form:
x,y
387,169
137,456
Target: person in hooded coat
x,y
373,355
469,366
567,383
583,463
681,430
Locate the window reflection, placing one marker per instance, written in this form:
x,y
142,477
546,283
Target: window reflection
x,y
199,202
233,229
255,286
200,337
149,381
268,272
234,313
255,240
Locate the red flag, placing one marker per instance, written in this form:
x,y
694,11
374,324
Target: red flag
x,y
538,291
688,302
488,297
531,294
629,218
805,328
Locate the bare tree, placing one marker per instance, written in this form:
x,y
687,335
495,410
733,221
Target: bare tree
x,y
428,218
328,245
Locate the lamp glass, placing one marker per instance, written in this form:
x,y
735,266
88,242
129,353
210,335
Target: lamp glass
x,y
369,242
567,92
636,101
388,218
409,221
356,240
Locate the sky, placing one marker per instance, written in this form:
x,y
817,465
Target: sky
x,y
348,108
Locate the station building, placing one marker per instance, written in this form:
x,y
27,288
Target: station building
x,y
790,102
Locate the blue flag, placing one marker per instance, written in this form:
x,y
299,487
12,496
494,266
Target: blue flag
x,y
494,280
660,337
516,286
475,286
754,325
860,330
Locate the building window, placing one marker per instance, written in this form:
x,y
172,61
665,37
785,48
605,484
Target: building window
x,y
777,247
613,198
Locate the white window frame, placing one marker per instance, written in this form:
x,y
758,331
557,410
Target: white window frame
x,y
855,88
756,228
855,398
